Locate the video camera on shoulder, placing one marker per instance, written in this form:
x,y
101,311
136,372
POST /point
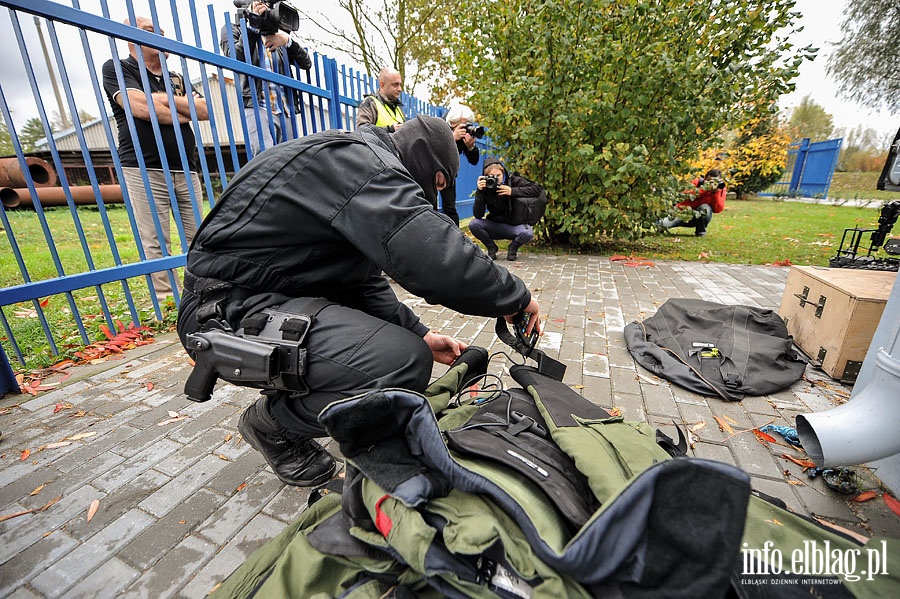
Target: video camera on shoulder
x,y
491,182
277,16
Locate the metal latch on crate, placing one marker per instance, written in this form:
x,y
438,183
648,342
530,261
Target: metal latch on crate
x,y
820,306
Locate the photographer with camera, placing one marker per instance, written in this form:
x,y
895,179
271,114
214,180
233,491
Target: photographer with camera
x,y
709,198
514,204
269,25
460,119
383,109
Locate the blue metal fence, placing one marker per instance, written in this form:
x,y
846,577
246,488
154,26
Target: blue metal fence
x,y
809,169
116,266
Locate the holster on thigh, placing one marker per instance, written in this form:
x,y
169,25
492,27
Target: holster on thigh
x,y
268,351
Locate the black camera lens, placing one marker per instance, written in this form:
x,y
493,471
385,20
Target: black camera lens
x,y
475,131
491,182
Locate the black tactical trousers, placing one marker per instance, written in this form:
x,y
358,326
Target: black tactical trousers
x,y
348,352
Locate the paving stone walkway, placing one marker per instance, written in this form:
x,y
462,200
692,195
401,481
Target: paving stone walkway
x,y
182,503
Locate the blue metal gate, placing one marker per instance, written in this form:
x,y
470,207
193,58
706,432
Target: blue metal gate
x,y
809,169
108,280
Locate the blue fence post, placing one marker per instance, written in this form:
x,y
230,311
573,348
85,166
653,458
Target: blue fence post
x,y
8,382
797,175
332,84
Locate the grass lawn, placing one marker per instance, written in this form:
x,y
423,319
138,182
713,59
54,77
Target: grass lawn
x,y
748,232
858,186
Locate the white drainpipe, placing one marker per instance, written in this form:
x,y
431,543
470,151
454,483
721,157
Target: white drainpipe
x,y
867,427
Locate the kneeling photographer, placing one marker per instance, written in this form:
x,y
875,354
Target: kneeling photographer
x,y
513,202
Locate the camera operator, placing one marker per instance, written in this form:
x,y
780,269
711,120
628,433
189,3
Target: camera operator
x,y
460,119
708,198
514,204
263,25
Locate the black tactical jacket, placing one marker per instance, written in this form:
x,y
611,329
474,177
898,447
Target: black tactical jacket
x,y
324,215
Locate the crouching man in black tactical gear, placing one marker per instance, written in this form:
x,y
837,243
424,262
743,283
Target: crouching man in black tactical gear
x,y
284,288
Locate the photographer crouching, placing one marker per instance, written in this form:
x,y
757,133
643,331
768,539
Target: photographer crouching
x,y
513,202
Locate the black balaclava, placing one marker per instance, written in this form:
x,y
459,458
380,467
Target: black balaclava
x,y
426,146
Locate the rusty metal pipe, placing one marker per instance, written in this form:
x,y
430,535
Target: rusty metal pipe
x,y
41,173
82,195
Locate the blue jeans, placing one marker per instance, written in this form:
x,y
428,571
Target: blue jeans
x,y
486,231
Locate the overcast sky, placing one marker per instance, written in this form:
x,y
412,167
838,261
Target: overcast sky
x,y
821,19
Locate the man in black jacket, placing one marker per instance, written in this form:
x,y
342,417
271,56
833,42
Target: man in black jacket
x,y
322,217
510,200
271,59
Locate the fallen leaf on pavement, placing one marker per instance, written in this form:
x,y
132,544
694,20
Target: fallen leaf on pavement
x,y
81,436
765,437
865,496
892,503
724,426
32,510
171,420
56,445
804,463
95,505
698,426
38,490
25,454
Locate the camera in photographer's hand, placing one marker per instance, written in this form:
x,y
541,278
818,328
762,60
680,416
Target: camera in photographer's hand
x,y
277,16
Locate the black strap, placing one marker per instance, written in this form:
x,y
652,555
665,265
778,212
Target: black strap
x,y
255,323
546,365
213,295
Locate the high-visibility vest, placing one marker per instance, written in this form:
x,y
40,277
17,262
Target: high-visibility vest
x,y
387,115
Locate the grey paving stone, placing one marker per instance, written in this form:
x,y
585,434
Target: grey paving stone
x,y
23,593
758,404
174,570
254,535
632,406
135,465
624,381
288,504
238,510
659,400
598,390
158,539
69,570
114,505
752,456
188,454
76,478
178,489
19,534
25,565
106,581
111,435
237,472
713,451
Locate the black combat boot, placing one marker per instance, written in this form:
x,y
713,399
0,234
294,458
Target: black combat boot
x,y
511,252
296,461
491,250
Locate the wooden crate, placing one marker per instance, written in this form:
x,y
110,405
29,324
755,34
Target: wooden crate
x,y
832,314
